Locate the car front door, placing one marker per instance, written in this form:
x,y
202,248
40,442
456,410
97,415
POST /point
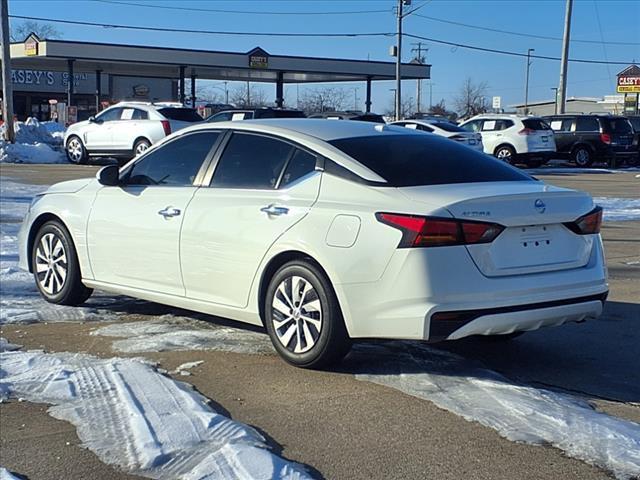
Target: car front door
x,y
261,187
97,134
133,232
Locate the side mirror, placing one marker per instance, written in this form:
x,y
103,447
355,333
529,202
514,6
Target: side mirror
x,y
109,176
92,119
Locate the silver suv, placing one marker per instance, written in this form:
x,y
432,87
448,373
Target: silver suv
x,y
126,129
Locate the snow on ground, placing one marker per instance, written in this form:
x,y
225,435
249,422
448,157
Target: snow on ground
x,y
144,422
618,209
6,346
169,332
7,475
576,170
36,142
517,412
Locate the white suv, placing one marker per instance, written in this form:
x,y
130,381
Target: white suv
x,y
126,129
514,138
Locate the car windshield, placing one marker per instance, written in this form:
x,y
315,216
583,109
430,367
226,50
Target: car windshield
x,y
535,124
412,160
181,114
448,127
620,126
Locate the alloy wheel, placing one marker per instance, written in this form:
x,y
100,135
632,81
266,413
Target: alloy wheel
x,y
504,154
296,314
51,264
141,147
582,157
75,150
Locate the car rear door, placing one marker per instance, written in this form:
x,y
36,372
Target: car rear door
x,y
127,128
562,131
261,187
133,231
97,135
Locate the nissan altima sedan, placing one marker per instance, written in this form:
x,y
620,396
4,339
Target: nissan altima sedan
x,y
324,232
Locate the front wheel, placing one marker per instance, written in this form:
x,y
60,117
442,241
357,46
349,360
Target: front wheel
x,y
582,157
506,154
76,153
55,266
303,318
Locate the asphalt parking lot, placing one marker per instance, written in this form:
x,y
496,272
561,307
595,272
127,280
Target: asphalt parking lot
x,y
340,427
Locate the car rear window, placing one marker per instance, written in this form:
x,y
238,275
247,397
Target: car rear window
x,y
620,126
635,123
181,114
412,160
279,114
535,124
448,127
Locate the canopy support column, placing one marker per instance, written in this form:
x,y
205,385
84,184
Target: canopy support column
x,y
367,102
98,89
280,90
193,90
182,98
70,80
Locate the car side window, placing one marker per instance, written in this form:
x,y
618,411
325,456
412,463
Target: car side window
x,y
251,161
110,115
587,124
173,164
301,164
424,128
472,126
503,124
490,126
139,115
220,117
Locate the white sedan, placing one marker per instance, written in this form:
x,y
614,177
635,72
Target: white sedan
x,y
445,129
324,232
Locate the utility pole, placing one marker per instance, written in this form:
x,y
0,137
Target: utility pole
x,y
399,62
555,106
526,82
566,38
226,93
431,84
7,86
420,60
355,98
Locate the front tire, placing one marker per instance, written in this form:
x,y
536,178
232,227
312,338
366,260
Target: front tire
x,y
583,157
506,153
55,266
76,153
303,318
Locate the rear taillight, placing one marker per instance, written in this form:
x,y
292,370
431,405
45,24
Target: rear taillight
x,y
587,224
418,231
527,131
605,138
166,126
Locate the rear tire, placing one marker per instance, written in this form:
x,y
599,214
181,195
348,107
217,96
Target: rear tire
x,y
303,317
141,146
76,153
55,266
506,153
582,157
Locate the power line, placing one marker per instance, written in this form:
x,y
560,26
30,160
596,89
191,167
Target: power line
x,y
519,34
514,54
207,32
216,10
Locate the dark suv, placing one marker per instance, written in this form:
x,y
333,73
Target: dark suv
x,y
589,138
635,123
253,113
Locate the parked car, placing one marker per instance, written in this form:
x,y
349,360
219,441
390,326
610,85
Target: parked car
x,y
125,130
324,232
255,113
445,129
635,123
350,115
514,138
587,138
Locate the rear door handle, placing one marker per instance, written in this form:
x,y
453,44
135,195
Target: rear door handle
x,y
169,212
274,210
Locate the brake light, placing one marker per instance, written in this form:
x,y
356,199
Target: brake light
x,y
418,231
166,126
605,138
527,131
587,224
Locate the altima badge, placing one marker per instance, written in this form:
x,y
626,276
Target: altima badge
x,y
540,206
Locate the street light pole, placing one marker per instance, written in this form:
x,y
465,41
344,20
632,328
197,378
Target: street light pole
x,y
566,38
526,82
399,62
555,102
7,90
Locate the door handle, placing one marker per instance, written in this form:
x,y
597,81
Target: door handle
x,y
273,210
169,212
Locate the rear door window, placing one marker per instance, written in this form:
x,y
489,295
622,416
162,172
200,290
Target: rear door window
x,y
180,114
301,163
448,127
251,161
587,124
411,160
620,126
535,124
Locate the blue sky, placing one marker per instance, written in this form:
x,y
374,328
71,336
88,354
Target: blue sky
x,y
595,20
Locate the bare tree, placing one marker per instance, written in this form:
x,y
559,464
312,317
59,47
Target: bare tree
x,y
472,98
323,99
440,108
20,32
204,93
407,108
244,96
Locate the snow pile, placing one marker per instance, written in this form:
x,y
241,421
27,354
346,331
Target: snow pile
x,y
517,412
169,332
618,209
36,142
148,424
7,475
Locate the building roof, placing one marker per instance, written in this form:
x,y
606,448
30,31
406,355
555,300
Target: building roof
x,y
552,101
255,65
